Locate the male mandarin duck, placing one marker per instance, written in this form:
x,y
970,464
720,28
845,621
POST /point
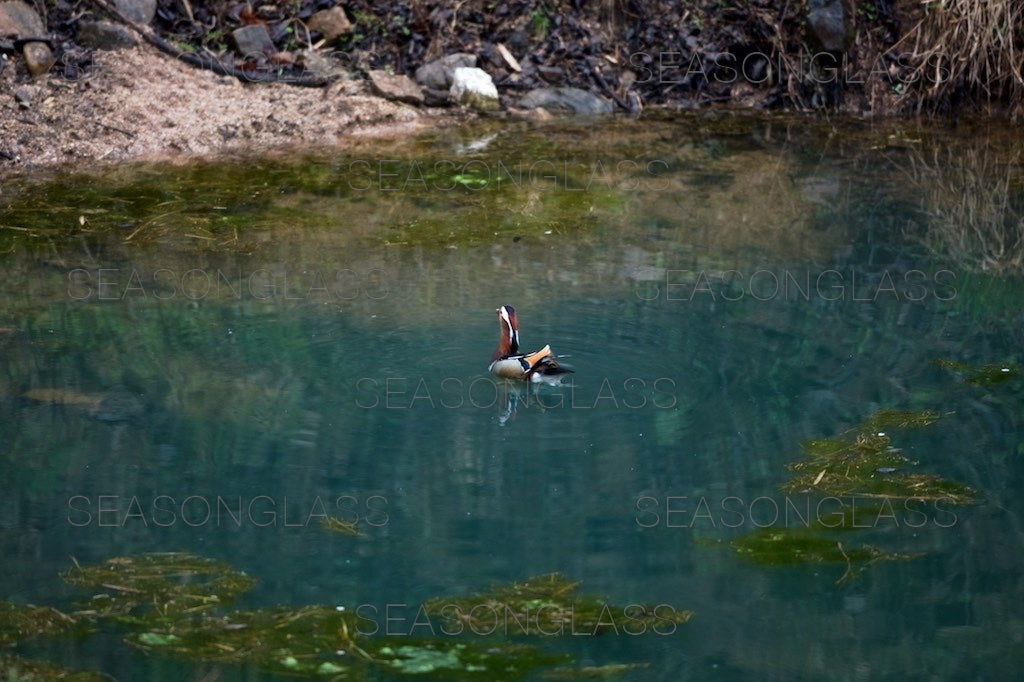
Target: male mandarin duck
x,y
508,363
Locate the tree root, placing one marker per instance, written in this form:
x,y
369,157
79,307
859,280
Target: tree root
x,y
150,36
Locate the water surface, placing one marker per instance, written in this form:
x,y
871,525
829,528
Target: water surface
x,y
209,358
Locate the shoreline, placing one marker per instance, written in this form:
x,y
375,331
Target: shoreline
x,y
169,85
139,105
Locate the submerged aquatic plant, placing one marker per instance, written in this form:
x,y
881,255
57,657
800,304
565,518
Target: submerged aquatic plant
x,y
868,465
20,622
18,669
336,525
899,419
169,585
170,604
982,374
320,641
312,640
466,659
590,672
775,547
779,547
549,605
860,464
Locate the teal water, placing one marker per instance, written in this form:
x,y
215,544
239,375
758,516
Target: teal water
x,y
210,358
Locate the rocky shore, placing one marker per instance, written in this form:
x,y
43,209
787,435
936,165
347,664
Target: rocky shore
x,y
139,104
110,93
109,80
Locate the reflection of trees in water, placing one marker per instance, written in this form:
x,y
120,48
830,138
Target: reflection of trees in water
x,y
974,199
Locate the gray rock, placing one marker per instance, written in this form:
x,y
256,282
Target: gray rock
x,y
104,35
437,75
566,100
253,40
330,23
19,20
38,58
398,88
141,11
23,96
473,87
829,24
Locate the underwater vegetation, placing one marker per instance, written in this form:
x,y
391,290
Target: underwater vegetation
x,y
860,480
982,374
549,605
313,640
866,464
18,669
591,672
789,546
175,604
169,586
336,525
18,622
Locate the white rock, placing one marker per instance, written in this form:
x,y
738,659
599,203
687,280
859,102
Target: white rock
x,y
473,87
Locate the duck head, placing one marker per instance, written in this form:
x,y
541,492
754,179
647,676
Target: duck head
x,y
508,339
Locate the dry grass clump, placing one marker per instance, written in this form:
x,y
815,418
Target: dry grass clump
x,y
966,47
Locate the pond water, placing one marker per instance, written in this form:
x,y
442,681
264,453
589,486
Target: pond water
x,y
212,358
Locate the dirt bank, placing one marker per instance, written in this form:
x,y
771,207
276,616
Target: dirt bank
x,y
140,104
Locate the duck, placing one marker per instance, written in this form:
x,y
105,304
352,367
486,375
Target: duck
x,y
508,363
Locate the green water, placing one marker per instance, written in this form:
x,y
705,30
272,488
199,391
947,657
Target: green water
x,y
211,358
